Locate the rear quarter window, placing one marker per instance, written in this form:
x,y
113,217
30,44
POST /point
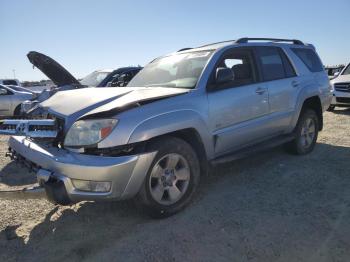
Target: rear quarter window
x,y
309,58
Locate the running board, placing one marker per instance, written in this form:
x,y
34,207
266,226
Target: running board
x,y
263,146
25,193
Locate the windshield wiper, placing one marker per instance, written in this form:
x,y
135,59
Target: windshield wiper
x,y
162,85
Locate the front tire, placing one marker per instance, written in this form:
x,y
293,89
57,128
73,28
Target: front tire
x,y
172,179
306,133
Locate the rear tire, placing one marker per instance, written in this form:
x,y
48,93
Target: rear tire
x,y
306,133
171,180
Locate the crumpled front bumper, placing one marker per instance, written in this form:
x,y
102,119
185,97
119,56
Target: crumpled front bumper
x,y
126,173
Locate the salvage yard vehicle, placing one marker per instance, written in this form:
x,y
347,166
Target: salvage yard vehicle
x,y
109,77
11,98
186,111
341,87
6,82
64,80
334,71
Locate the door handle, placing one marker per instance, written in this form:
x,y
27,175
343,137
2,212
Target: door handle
x,y
295,83
260,90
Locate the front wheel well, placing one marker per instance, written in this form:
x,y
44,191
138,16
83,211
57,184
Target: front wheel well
x,y
17,110
314,103
192,137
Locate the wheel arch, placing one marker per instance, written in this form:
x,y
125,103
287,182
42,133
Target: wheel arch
x,y
314,103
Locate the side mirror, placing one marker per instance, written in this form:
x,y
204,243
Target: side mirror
x,y
223,75
3,91
336,74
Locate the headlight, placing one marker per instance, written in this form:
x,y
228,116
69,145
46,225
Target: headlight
x,y
89,132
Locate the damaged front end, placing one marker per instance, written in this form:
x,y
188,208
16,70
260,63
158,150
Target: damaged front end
x,y
36,128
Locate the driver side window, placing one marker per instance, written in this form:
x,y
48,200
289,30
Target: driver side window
x,y
241,64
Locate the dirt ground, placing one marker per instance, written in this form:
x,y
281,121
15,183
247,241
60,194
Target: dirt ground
x,y
268,207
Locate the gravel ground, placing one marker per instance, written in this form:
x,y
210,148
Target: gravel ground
x,y
268,207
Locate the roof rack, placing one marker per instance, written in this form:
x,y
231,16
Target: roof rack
x,y
184,49
216,43
246,40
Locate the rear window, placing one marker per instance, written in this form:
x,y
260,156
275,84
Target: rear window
x,y
9,82
309,58
274,63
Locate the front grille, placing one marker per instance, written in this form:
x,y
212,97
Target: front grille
x,y
343,100
60,134
342,87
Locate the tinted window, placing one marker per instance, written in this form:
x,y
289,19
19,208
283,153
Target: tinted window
x,y
288,68
241,62
9,82
309,58
271,63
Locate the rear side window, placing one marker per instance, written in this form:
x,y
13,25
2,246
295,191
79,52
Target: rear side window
x,y
274,63
309,58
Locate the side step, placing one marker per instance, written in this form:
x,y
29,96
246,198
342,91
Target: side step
x,y
25,193
263,146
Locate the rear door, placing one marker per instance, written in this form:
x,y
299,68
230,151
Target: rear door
x,y
282,82
237,108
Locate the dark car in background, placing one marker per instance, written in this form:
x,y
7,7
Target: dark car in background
x,y
110,77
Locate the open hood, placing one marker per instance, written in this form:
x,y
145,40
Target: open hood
x,y
53,70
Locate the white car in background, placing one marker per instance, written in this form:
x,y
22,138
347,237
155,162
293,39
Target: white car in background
x,y
341,86
11,98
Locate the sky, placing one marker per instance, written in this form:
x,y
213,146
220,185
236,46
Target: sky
x,y
84,36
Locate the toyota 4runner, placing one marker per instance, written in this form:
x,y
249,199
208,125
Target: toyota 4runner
x,y
185,111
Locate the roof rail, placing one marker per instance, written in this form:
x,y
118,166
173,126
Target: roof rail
x,y
184,49
247,39
226,41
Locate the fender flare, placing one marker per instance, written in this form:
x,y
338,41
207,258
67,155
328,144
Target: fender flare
x,y
171,122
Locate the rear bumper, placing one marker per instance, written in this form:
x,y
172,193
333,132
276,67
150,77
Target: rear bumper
x,y
126,173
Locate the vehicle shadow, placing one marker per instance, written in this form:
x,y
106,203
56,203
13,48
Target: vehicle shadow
x,y
268,206
13,174
342,111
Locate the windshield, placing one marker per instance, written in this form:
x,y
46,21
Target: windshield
x,y
94,78
347,70
178,70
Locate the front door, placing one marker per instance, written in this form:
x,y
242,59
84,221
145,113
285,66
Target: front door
x,y
237,108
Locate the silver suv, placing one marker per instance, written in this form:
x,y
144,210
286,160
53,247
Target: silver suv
x,y
184,112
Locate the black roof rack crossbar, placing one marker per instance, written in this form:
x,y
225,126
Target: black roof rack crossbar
x,y
184,49
247,39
